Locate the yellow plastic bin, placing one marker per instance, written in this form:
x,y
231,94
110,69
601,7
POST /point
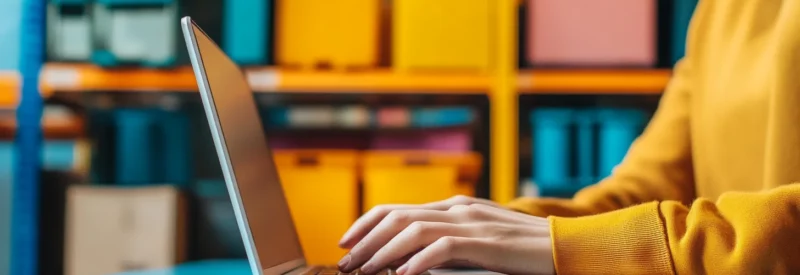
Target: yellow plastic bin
x,y
321,187
323,33
415,177
442,34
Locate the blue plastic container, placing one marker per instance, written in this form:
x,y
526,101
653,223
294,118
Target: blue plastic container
x,y
551,147
441,117
682,15
153,147
135,32
102,132
137,158
177,148
586,135
69,30
246,31
618,129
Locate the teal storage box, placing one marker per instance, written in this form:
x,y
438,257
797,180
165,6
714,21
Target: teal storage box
x,y
618,130
135,32
247,31
69,30
682,15
152,147
585,151
552,150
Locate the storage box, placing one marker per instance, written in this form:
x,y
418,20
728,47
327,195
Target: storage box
x,y
415,177
322,33
592,33
458,140
321,187
153,145
111,230
443,34
247,31
135,32
552,150
69,30
618,129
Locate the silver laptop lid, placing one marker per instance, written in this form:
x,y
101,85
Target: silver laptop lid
x,y
262,212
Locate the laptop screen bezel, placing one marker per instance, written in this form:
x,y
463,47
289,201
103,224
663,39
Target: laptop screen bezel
x,y
188,26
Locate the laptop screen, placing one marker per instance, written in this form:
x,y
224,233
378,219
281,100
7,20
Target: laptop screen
x,y
262,197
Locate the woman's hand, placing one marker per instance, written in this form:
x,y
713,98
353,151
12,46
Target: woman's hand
x,y
477,235
369,220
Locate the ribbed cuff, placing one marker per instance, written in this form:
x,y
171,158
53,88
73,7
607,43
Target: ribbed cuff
x,y
627,241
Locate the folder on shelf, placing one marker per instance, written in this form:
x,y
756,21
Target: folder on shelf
x,y
247,26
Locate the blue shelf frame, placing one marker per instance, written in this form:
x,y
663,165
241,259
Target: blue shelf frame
x,y
28,141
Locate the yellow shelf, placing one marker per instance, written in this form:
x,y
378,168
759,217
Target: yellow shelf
x,y
80,78
9,88
633,81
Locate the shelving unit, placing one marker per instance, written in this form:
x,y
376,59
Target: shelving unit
x,y
503,89
502,85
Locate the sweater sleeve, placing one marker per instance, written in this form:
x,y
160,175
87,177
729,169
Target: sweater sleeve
x,y
658,165
740,233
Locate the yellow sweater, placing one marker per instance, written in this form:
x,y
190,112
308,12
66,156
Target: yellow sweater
x,y
711,186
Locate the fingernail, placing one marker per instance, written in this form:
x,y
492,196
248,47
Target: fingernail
x,y
344,261
367,269
402,269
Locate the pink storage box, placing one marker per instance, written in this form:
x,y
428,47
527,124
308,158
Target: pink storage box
x,y
592,32
316,141
439,140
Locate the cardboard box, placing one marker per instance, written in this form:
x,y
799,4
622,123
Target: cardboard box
x,y
113,229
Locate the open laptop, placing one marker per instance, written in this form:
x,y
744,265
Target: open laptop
x,y
261,210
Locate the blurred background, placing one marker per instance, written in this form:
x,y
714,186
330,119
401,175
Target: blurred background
x,y
107,162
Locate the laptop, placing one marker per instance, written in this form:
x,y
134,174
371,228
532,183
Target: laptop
x,y
261,210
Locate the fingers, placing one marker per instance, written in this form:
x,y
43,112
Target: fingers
x,y
388,228
448,249
364,225
415,237
368,221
